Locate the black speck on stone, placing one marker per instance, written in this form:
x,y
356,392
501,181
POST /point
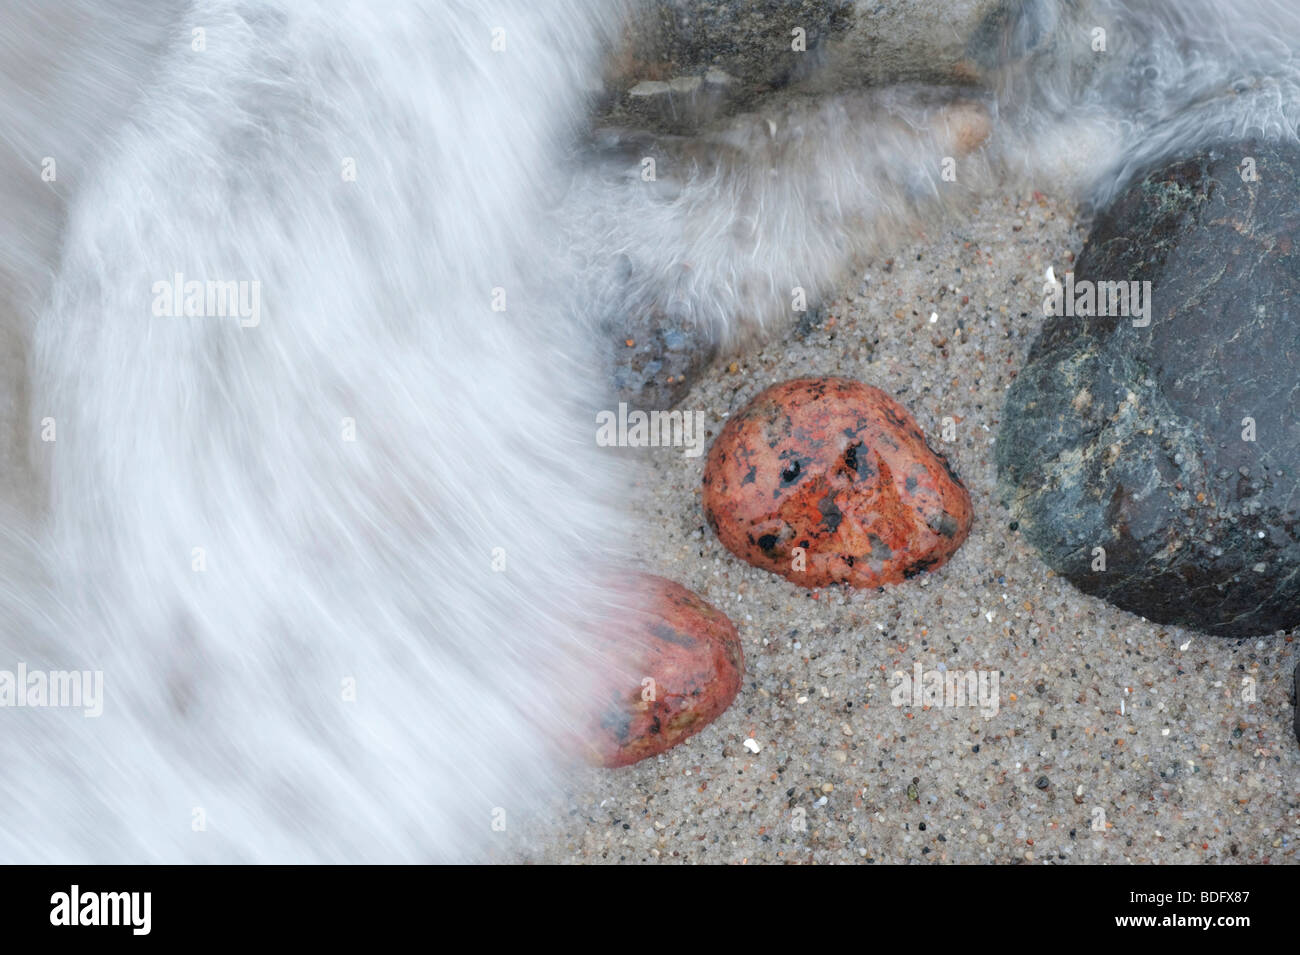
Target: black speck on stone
x,y
831,514
1295,700
1042,782
1132,438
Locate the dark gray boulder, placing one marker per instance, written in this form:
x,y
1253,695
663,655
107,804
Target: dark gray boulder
x,y
1175,447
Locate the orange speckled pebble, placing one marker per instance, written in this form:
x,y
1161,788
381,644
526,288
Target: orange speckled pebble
x,y
691,652
839,469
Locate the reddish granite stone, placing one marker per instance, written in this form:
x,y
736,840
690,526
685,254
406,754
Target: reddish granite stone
x,y
687,670
841,470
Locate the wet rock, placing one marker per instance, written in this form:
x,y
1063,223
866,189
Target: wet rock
x,y
678,105
1155,465
827,480
655,358
683,63
687,670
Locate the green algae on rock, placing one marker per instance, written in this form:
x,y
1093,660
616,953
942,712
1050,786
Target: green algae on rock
x,y
1153,461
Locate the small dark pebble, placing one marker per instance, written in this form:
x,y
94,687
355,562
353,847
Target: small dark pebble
x,y
1295,697
1043,782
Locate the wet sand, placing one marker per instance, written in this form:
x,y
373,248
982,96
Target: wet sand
x,y
1115,740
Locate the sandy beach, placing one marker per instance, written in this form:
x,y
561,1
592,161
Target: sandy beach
x,y
1115,740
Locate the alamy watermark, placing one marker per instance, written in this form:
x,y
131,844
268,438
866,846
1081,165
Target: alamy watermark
x,y
129,909
53,688
655,429
1088,299
176,298
948,688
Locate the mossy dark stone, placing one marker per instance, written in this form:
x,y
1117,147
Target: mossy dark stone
x,y
1132,439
